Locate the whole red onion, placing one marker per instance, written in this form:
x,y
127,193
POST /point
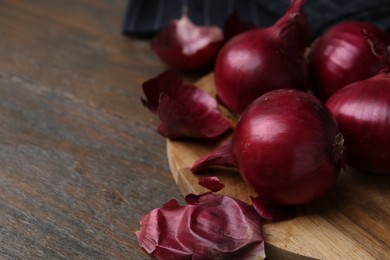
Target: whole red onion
x,y
261,60
342,56
362,110
286,145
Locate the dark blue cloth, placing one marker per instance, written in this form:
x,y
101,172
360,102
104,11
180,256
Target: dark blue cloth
x,y
146,17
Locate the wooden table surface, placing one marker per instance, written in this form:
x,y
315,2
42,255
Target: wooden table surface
x,y
80,161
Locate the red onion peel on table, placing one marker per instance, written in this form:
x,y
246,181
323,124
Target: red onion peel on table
x,y
210,226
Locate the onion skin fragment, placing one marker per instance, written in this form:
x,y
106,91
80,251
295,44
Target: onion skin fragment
x,y
211,226
211,182
183,110
222,156
184,46
362,110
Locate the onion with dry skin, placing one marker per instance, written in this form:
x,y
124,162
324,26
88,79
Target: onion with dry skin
x,y
262,60
342,56
286,145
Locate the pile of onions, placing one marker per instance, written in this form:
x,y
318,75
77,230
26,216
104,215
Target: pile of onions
x,y
286,145
262,60
342,56
362,110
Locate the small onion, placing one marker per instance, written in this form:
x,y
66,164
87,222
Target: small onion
x,y
342,56
286,145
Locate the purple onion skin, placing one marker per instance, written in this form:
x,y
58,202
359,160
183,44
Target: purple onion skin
x,y
211,226
288,147
258,61
180,44
362,110
342,55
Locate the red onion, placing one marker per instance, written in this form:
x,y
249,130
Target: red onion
x,y
301,31
185,46
234,26
261,60
362,110
286,145
183,110
211,227
342,56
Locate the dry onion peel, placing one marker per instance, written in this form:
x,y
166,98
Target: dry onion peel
x,y
211,226
184,110
185,46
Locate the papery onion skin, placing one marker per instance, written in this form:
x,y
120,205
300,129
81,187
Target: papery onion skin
x,y
342,56
288,147
184,110
211,227
261,60
184,46
222,156
192,114
212,183
362,110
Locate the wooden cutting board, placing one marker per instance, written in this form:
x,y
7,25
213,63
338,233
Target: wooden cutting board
x,y
351,221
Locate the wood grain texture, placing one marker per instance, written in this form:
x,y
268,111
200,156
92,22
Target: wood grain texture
x,y
80,161
351,221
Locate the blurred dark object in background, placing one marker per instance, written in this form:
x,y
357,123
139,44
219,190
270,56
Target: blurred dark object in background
x,y
144,18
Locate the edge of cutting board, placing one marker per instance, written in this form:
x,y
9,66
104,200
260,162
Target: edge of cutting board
x,y
351,221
